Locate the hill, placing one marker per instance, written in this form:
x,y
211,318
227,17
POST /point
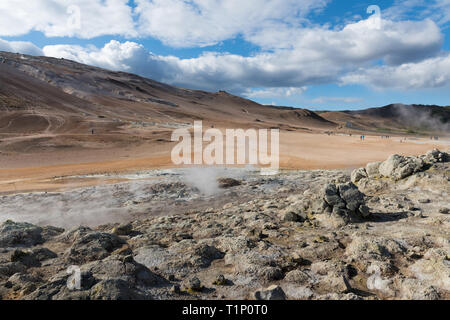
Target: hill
x,y
395,118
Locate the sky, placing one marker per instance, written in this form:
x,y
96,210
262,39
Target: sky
x,y
315,54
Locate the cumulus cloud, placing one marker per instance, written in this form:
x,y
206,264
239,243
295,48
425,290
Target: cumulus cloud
x,y
283,24
183,23
57,18
395,42
293,52
21,47
274,92
298,58
438,10
430,73
210,71
180,23
323,100
114,55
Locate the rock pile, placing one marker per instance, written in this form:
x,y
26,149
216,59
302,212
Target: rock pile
x,y
398,167
338,204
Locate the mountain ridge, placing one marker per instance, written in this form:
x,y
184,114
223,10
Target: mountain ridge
x,y
51,90
103,87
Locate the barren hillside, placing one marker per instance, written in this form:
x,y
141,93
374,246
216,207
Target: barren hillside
x,y
395,118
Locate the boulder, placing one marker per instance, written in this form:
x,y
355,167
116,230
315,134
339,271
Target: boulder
x,y
113,278
337,205
293,217
221,280
435,156
434,268
13,234
24,257
195,284
22,283
225,183
273,292
331,196
352,197
365,247
10,268
93,246
415,289
32,258
269,273
115,267
123,229
358,174
116,289
297,276
153,256
204,254
345,199
373,169
364,210
399,167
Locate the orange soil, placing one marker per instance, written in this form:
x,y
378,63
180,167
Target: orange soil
x,y
59,170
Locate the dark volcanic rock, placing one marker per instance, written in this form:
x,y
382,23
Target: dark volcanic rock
x,y
225,183
14,234
271,293
344,200
93,246
116,289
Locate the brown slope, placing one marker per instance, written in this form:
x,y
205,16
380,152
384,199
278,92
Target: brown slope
x,y
30,105
128,97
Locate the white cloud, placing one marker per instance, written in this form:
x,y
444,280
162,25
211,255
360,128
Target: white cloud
x,y
430,73
294,52
57,18
323,100
275,92
305,57
114,55
395,42
438,10
210,71
182,23
21,47
283,24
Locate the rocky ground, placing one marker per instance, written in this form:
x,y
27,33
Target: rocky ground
x,y
380,232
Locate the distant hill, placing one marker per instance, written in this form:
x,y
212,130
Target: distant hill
x,y
395,118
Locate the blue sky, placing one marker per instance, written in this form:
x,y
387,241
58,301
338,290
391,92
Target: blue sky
x,y
316,54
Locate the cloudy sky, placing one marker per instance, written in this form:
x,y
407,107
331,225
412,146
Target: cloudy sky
x,y
318,54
